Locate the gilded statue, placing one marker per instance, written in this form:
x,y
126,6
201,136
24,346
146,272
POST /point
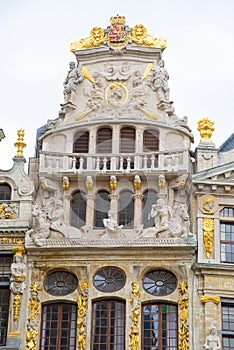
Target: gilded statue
x,y
141,37
96,38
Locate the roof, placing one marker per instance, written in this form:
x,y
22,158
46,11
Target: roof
x,y
228,144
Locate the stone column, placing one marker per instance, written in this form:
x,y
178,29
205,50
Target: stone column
x,y
90,206
114,196
137,209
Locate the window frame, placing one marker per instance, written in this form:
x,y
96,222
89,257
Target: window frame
x,y
160,329
226,227
125,211
81,220
108,326
5,195
227,333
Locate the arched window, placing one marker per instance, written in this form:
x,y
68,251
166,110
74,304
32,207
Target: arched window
x,y
101,208
126,209
150,145
59,326
104,140
81,142
127,146
127,140
78,209
81,145
5,192
108,325
150,198
150,140
159,330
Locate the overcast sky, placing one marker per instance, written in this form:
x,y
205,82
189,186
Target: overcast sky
x,y
35,37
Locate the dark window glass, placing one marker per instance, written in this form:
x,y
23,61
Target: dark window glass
x,y
159,282
78,209
150,141
102,207
109,279
150,198
127,140
159,329
104,140
60,283
81,142
108,325
59,327
5,192
228,326
5,264
126,209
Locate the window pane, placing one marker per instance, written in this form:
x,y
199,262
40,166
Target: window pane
x,y
102,207
5,192
159,327
126,209
150,198
108,325
57,333
78,209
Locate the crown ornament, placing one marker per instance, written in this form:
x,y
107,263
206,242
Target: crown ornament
x,y
118,19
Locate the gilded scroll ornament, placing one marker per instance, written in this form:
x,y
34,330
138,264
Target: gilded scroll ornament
x,y
82,304
210,298
183,315
16,306
208,233
206,128
33,319
135,316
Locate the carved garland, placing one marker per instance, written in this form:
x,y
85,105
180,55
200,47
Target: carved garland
x,y
183,315
82,311
208,235
135,304
33,319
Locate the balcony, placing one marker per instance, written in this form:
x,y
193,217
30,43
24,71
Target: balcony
x,y
51,162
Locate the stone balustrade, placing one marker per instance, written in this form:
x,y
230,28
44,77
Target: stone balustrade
x,y
102,163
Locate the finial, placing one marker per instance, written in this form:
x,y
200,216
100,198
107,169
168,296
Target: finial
x,y
205,127
20,144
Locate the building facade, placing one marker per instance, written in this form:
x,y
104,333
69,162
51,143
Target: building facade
x,y
120,236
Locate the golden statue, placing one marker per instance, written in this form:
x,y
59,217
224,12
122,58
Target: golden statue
x,y
96,38
141,37
205,127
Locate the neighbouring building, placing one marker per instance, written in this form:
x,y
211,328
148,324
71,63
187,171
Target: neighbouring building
x,y
120,236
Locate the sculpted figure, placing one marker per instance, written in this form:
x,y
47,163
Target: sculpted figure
x,y
18,275
160,82
212,341
70,84
96,38
141,37
162,213
113,230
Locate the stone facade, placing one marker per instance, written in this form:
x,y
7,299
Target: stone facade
x,y
117,215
